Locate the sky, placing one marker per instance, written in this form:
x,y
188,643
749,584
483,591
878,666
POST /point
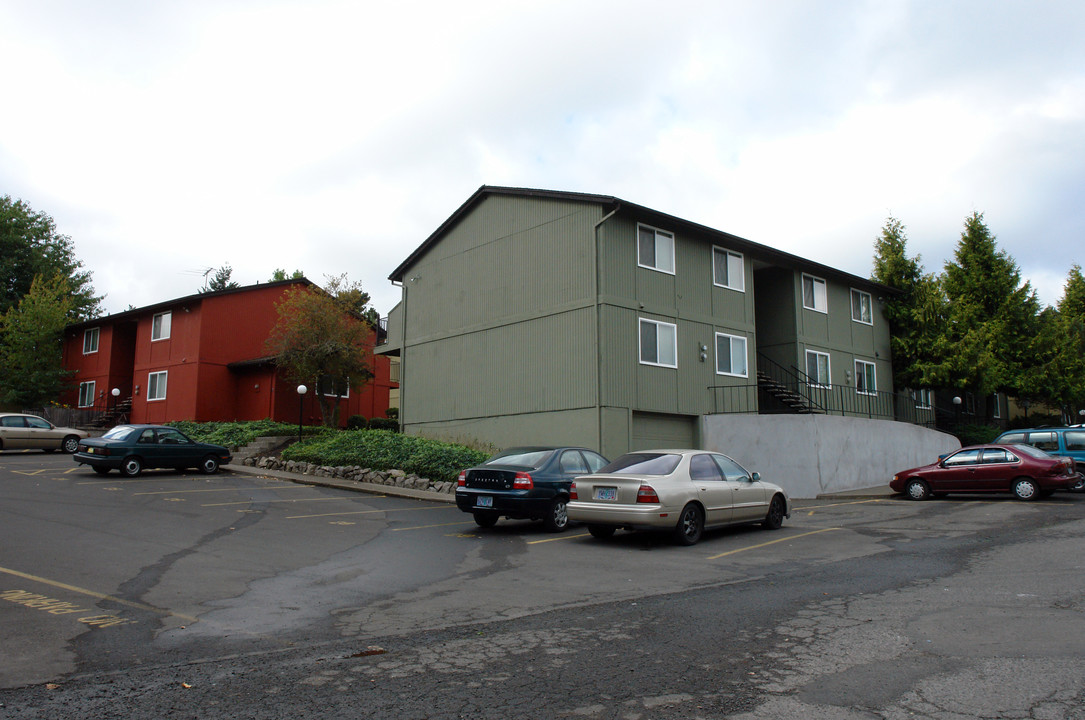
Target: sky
x,y
168,139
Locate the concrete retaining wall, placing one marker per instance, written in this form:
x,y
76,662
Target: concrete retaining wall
x,y
812,454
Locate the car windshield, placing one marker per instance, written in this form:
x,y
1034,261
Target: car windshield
x,y
531,459
118,433
643,464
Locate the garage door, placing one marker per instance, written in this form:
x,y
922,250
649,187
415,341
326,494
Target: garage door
x,y
654,430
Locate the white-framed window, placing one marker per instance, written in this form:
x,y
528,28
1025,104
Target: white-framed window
x,y
866,378
156,385
817,368
333,387
862,308
814,294
996,408
655,249
90,341
728,269
731,355
658,343
924,398
86,394
160,326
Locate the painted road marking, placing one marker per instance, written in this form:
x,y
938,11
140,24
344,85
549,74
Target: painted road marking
x,y
91,593
423,527
771,542
293,500
214,490
363,512
555,539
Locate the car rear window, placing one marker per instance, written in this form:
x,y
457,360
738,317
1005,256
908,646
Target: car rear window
x,y
1044,440
531,459
121,431
643,464
1012,438
1034,452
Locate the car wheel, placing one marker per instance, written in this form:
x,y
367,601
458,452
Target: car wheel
x,y
775,516
485,519
1077,485
601,531
917,490
209,465
557,516
132,466
1025,489
101,470
690,526
71,444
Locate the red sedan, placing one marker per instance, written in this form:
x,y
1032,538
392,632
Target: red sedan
x,y
1021,469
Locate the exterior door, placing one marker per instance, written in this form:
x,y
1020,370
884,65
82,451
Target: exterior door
x,y
715,492
750,499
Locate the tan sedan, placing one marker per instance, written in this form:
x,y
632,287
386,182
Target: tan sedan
x,y
682,491
30,432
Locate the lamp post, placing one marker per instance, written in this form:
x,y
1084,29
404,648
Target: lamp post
x,y
301,406
115,392
957,409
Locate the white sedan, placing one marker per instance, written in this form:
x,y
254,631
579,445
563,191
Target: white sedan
x,y
683,491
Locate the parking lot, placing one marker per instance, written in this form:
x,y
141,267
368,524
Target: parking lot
x,y
168,570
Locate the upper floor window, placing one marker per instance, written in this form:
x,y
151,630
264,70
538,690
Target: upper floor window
x,y
866,377
924,398
86,394
156,385
817,368
861,307
728,269
160,326
658,343
731,355
655,249
90,341
814,294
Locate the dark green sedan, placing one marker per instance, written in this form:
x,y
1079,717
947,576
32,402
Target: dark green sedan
x,y
131,448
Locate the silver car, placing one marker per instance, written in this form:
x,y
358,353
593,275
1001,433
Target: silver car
x,y
682,491
30,432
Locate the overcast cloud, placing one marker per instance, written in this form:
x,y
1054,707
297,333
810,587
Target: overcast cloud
x,y
330,137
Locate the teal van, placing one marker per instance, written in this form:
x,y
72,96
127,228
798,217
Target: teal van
x,y
1061,441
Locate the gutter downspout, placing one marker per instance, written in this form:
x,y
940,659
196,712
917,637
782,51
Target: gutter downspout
x,y
598,328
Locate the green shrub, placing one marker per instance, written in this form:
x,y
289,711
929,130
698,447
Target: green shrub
x,y
357,422
976,434
236,434
384,424
392,413
381,450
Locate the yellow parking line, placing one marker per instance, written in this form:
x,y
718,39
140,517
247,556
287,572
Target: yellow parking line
x,y
811,508
91,593
771,542
560,537
423,527
250,502
362,512
234,489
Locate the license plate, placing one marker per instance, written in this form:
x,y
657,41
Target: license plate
x,y
484,501
606,493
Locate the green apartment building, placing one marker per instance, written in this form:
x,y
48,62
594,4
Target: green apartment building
x,y
538,317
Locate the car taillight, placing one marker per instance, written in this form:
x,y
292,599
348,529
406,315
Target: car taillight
x,y
461,481
572,492
647,494
522,481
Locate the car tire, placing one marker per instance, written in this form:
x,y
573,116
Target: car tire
x,y
601,531
485,519
774,518
557,516
1077,485
1025,489
690,525
102,470
70,445
132,466
917,490
209,465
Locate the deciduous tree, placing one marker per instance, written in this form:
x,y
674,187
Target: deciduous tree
x,y
31,372
323,339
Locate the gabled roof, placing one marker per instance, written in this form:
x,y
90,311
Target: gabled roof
x,y
135,313
610,203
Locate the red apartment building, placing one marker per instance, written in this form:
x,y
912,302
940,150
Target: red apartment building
x,y
201,358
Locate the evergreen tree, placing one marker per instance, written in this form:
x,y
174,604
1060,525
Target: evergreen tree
x,y
221,280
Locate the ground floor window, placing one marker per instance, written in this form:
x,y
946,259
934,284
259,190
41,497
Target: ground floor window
x,y
86,394
156,385
817,368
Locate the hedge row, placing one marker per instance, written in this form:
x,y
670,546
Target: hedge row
x,y
382,450
237,434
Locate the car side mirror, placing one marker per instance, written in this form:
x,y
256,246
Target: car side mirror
x,y
755,477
